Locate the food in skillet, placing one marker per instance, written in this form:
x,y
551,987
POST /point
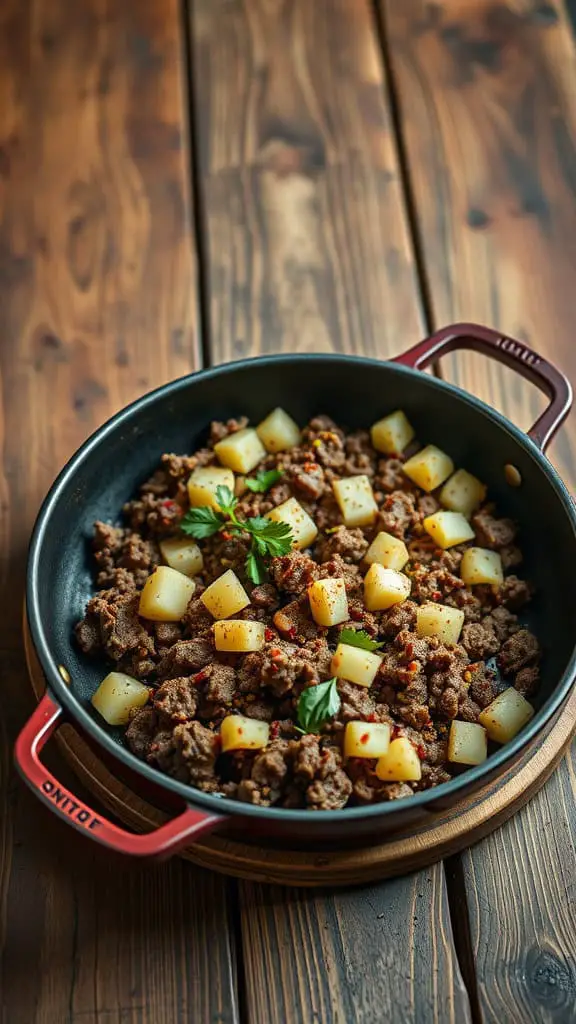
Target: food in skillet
x,y
313,618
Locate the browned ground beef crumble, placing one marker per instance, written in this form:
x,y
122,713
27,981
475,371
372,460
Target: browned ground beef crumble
x,y
422,684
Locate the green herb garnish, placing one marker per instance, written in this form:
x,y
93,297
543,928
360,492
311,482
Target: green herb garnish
x,y
263,480
268,539
317,704
359,638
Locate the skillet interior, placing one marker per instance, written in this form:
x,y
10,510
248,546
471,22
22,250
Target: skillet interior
x,y
355,391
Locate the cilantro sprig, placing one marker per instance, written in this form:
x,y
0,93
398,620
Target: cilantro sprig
x,y
268,539
359,638
317,704
264,480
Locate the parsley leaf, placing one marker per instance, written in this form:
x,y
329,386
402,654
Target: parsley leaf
x,y
359,638
202,522
317,704
269,537
263,480
226,499
255,567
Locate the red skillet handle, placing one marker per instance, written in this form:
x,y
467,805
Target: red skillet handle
x,y
515,354
167,839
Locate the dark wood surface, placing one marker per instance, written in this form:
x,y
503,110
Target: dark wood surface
x,y
357,172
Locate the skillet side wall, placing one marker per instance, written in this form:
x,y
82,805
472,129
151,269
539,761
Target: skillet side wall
x,y
355,392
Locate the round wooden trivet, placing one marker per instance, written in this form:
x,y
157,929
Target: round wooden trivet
x,y
439,836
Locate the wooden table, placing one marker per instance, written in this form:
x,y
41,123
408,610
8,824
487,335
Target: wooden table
x,y
185,184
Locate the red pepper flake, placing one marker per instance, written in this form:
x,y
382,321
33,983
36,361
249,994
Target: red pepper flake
x,y
372,717
274,667
421,751
413,666
168,503
291,633
200,676
365,737
436,595
356,614
275,652
274,730
226,535
396,731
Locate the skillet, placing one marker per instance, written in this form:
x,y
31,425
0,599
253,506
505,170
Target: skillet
x,y
354,390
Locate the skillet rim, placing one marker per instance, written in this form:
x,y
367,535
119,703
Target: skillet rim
x,y
447,792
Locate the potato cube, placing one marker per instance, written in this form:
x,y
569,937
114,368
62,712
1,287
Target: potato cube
x,y
278,431
165,595
448,528
225,597
240,451
304,529
401,763
392,434
480,565
356,500
328,601
440,620
467,743
384,588
389,551
366,739
429,468
203,483
355,665
238,635
462,493
182,554
506,715
240,733
117,695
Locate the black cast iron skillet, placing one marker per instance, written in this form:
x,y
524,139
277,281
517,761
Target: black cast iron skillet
x,y
355,391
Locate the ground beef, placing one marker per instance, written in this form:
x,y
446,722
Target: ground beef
x,y
491,532
520,650
351,545
421,686
479,640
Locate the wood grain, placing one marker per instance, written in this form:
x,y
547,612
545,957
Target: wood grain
x,y
308,248
487,104
97,291
306,237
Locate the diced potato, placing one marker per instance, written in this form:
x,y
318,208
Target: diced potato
x,y
389,551
328,601
366,739
117,695
304,529
182,554
463,493
384,588
237,635
429,468
225,597
480,565
240,451
278,431
506,715
401,763
355,665
467,743
165,595
203,483
392,434
440,620
356,500
448,528
240,733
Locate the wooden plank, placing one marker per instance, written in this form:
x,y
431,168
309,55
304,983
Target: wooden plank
x,y
308,248
487,103
97,290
